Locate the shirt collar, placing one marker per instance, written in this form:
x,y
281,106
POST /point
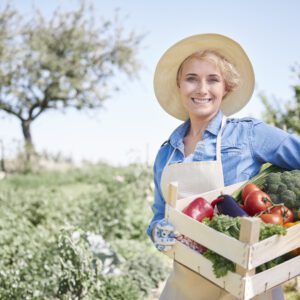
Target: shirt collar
x,y
215,124
176,138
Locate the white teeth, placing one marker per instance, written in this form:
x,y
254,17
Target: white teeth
x,y
202,101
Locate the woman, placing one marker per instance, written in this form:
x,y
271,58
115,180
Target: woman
x,y
202,80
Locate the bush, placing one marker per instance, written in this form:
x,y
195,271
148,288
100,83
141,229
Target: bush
x,y
117,288
146,271
39,214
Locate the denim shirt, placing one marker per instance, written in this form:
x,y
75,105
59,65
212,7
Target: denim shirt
x,y
247,144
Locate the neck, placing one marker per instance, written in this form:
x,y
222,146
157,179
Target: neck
x,y
198,125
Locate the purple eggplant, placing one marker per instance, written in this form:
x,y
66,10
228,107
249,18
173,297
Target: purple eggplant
x,y
227,205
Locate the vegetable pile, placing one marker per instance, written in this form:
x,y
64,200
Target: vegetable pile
x,y
281,188
273,195
258,203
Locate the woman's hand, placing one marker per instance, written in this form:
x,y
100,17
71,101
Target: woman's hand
x,y
164,236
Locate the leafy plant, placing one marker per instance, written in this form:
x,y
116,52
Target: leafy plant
x,y
77,234
231,227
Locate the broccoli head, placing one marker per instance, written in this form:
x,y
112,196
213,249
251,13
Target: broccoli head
x,y
284,188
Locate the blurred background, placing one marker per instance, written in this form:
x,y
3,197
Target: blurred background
x,y
130,125
80,128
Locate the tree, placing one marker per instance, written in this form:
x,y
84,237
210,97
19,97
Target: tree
x,y
282,114
66,61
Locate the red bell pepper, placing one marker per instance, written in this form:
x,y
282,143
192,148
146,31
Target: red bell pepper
x,y
199,209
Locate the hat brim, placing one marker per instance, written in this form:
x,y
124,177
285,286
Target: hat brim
x,y
165,86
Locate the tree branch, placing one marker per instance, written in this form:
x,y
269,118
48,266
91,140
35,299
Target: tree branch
x,y
9,110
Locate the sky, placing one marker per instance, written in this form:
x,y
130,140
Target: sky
x,y
132,125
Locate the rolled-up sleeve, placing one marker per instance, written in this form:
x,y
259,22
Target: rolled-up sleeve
x,y
276,146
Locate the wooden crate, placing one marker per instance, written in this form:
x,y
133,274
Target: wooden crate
x,y
247,253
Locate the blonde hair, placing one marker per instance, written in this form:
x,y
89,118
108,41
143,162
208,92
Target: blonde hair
x,y
229,72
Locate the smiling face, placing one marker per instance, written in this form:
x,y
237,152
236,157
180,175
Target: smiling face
x,y
201,87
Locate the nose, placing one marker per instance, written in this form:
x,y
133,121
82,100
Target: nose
x,y
201,88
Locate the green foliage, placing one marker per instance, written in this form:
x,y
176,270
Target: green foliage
x,y
284,114
145,272
267,230
225,224
231,227
123,221
118,288
76,274
51,225
221,265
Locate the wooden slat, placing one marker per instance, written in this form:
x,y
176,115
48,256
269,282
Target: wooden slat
x,y
232,282
225,245
172,193
171,198
209,196
249,233
274,246
260,282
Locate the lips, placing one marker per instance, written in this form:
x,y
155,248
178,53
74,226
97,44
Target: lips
x,y
201,100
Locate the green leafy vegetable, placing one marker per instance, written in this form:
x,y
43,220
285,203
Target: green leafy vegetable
x,y
231,227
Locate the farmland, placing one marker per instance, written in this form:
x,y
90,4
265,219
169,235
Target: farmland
x,y
78,234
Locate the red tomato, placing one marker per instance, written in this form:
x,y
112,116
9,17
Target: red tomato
x,y
256,202
249,188
272,219
284,212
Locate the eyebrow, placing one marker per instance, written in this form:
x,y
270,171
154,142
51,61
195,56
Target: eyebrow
x,y
210,75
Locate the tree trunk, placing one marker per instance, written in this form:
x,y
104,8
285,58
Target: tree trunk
x,y
2,168
29,148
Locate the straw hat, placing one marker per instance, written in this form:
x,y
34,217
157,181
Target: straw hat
x,y
165,86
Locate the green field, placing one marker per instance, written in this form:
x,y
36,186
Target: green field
x,y
78,234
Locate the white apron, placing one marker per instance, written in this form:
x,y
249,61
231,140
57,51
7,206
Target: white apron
x,y
194,178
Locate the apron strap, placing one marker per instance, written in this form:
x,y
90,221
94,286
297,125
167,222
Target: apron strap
x,y
218,146
171,156
218,150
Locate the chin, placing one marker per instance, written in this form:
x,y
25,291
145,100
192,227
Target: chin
x,y
203,114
